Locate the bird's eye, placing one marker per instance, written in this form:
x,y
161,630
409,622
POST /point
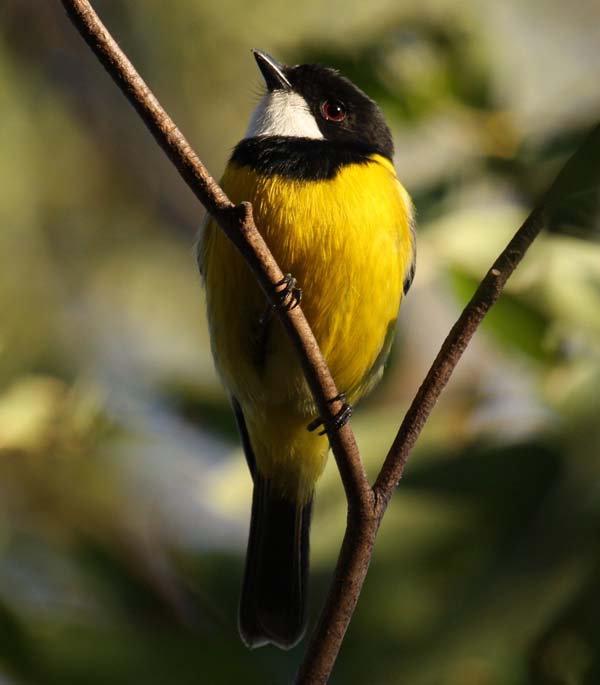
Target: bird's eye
x,y
333,110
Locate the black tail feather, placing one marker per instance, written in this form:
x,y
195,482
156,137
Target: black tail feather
x,y
273,603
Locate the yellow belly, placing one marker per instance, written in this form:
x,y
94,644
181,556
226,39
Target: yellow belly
x,y
347,241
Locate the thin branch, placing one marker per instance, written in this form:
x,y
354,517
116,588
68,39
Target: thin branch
x,y
581,170
456,343
238,225
162,127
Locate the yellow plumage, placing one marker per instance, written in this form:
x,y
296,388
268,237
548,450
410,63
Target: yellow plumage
x,y
348,243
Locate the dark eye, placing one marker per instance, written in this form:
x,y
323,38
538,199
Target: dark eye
x,y
333,110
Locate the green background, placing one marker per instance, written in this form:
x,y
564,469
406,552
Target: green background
x,y
124,497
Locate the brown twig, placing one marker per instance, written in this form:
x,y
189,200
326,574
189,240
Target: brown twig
x,y
366,505
485,296
238,224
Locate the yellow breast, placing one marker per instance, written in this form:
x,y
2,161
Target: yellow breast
x,y
347,241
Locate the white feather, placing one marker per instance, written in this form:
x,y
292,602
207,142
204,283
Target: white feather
x,y
283,113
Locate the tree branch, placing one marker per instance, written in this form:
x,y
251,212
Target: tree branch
x,y
456,343
238,225
366,505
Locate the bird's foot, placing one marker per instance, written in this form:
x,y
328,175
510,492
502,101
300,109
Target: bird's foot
x,y
290,296
339,420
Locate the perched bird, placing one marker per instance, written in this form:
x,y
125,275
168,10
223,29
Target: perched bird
x,y
316,164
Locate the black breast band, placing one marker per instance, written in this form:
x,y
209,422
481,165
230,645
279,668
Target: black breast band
x,y
299,158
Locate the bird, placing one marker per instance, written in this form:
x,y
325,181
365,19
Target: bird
x,y
316,163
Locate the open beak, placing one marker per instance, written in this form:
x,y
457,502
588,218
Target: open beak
x,y
272,71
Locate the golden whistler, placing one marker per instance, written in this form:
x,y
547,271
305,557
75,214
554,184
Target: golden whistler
x,y
316,163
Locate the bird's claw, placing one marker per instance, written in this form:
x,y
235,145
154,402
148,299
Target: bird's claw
x,y
339,420
290,296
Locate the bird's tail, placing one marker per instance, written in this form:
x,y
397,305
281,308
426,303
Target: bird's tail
x,y
273,603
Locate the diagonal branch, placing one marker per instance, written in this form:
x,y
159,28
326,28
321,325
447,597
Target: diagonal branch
x,y
238,224
582,170
456,343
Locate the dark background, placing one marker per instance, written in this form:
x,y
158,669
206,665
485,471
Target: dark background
x,y
124,498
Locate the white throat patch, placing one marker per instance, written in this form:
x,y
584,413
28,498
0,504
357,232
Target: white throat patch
x,y
283,113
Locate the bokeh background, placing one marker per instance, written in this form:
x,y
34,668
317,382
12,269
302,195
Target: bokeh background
x,y
124,497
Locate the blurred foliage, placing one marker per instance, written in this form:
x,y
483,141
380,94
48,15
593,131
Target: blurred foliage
x,y
124,499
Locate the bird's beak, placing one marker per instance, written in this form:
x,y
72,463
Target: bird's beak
x,y
272,71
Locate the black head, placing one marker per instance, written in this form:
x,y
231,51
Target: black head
x,y
339,111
